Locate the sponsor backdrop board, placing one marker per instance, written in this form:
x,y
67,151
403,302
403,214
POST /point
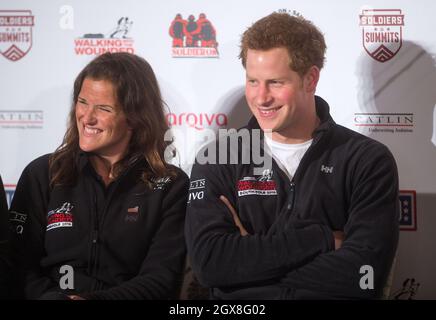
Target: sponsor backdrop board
x,y
379,78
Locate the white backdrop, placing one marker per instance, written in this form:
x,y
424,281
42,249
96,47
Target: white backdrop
x,y
391,101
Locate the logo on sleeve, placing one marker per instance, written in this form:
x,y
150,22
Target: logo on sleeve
x,y
196,189
60,217
17,220
160,183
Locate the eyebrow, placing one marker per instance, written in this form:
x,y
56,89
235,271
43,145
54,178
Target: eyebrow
x,y
105,105
267,80
98,105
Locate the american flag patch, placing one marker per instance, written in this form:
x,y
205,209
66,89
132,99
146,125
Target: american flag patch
x,y
408,210
133,210
132,214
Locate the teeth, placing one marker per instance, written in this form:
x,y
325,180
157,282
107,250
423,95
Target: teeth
x,y
268,111
91,130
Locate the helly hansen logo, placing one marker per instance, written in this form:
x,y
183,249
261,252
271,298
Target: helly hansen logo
x,y
326,169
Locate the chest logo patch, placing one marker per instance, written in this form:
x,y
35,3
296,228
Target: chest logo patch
x,y
263,186
61,217
132,214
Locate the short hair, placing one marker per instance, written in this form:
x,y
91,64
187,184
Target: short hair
x,y
302,39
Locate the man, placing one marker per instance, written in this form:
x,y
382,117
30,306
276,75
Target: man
x,y
322,222
4,243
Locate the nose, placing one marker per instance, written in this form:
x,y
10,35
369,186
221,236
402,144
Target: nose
x,y
89,115
263,97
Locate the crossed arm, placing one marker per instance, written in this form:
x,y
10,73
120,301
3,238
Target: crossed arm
x,y
221,257
338,235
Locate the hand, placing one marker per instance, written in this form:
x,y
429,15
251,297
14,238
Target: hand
x,y
339,238
75,297
235,216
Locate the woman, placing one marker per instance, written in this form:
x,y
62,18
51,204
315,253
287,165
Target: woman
x,y
102,217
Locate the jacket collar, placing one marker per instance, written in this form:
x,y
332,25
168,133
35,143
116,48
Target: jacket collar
x,y
323,113
83,162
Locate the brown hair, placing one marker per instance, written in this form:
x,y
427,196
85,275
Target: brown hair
x,y
139,97
304,42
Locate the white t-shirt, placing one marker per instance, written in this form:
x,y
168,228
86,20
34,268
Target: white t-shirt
x,y
287,156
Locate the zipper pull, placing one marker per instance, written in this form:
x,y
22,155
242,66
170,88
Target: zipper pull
x,y
291,196
94,237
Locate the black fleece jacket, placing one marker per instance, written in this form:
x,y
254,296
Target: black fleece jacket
x,y
345,181
123,242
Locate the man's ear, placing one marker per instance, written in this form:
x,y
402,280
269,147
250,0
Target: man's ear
x,y
311,79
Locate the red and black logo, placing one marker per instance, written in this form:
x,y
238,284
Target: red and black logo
x,y
193,38
262,186
60,217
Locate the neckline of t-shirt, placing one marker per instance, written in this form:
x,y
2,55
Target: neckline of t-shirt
x,y
287,146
